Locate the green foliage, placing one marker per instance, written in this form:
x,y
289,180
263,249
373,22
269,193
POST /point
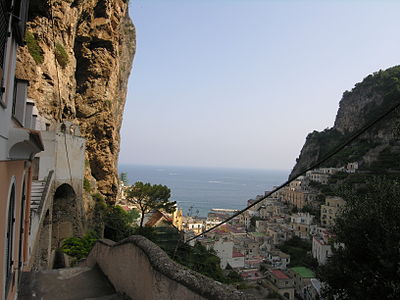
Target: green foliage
x,y
34,48
338,177
150,197
118,223
315,211
367,267
387,161
86,185
234,277
61,55
274,295
243,286
77,247
299,251
201,260
124,178
197,258
99,211
253,220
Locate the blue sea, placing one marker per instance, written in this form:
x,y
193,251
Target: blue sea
x,y
197,190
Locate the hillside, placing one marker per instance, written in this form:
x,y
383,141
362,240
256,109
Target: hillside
x,y
378,149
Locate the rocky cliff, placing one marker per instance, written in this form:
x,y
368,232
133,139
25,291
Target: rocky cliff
x,y
377,150
77,59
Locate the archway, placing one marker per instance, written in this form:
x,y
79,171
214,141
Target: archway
x,y
64,214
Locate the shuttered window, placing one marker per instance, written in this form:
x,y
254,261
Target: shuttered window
x,y
3,37
20,16
10,238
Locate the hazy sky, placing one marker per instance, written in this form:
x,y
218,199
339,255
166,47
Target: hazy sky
x,y
241,83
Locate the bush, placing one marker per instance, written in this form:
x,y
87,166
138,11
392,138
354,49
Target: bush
x,y
77,247
365,265
118,223
299,251
33,47
61,55
203,261
86,185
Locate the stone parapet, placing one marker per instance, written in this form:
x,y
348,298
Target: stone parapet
x,y
141,270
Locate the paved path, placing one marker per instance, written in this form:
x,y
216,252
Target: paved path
x,y
67,284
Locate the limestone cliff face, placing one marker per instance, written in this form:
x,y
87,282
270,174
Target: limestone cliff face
x,y
377,149
78,61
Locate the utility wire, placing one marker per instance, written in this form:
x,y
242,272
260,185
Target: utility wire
x,y
318,163
60,116
55,60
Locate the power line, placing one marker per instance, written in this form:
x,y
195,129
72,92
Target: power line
x,y
318,163
55,61
60,116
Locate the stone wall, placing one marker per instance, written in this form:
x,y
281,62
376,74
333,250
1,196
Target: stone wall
x,y
141,270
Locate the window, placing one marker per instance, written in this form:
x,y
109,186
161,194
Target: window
x,y
4,7
19,100
21,227
20,16
10,238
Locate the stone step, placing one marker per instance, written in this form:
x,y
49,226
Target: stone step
x,y
38,183
66,284
109,297
38,187
36,194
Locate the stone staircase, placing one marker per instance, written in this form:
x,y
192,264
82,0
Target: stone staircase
x,y
36,193
80,283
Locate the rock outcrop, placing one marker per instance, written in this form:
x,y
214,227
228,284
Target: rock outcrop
x,y
78,59
377,149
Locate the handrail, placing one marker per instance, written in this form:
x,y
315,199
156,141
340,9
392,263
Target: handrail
x,y
46,191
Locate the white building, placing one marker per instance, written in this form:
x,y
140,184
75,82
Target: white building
x,y
321,248
228,254
278,259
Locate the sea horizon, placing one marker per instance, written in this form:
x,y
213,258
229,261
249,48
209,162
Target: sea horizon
x,y
199,189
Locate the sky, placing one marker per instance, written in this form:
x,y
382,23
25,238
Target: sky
x,y
240,83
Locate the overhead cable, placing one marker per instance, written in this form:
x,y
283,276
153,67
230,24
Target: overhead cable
x,y
313,166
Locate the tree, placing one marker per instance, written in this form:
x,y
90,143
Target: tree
x,y
118,224
367,264
148,197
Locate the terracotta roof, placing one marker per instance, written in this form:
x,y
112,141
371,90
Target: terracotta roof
x,y
279,274
155,217
237,254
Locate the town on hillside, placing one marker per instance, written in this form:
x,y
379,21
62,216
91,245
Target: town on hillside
x,y
277,243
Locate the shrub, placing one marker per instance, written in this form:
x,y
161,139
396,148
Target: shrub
x,y
86,185
118,223
77,247
33,47
61,55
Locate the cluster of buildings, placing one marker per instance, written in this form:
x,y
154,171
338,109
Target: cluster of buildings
x,y
250,242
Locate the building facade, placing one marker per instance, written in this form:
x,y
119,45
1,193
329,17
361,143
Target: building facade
x,y
19,143
330,210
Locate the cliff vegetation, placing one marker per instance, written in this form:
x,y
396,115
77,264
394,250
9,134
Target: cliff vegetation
x,y
77,58
376,150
